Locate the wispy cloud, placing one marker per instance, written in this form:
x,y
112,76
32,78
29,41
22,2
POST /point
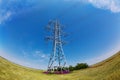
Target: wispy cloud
x,y
26,59
25,54
41,54
5,16
112,5
10,7
37,56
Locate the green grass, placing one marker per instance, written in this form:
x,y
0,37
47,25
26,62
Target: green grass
x,y
108,69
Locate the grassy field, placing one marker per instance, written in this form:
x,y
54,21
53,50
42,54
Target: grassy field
x,y
108,69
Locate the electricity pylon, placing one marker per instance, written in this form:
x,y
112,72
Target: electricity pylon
x,y
57,58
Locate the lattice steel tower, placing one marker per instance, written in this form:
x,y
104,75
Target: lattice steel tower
x,y
57,57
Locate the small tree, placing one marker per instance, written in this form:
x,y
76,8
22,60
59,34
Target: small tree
x,y
81,66
71,68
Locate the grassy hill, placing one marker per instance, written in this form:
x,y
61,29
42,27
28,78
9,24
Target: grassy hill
x,y
108,69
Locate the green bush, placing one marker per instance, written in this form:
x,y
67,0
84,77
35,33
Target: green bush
x,y
71,68
81,66
78,66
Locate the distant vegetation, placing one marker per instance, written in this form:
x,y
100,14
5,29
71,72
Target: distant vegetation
x,y
78,66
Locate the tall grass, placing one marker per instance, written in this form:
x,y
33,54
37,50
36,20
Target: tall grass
x,y
108,69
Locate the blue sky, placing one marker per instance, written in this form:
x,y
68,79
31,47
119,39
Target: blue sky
x,y
93,27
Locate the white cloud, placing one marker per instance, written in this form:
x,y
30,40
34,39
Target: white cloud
x,y
10,7
112,5
5,16
24,61
40,54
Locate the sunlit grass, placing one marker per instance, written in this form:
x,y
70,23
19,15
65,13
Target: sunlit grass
x,y
106,70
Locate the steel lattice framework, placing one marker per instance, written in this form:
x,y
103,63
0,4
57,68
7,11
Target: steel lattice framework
x,y
57,57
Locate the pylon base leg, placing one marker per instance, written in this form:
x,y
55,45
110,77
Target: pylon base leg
x,y
57,72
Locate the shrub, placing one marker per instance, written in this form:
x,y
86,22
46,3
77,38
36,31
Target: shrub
x,y
81,66
78,66
71,68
